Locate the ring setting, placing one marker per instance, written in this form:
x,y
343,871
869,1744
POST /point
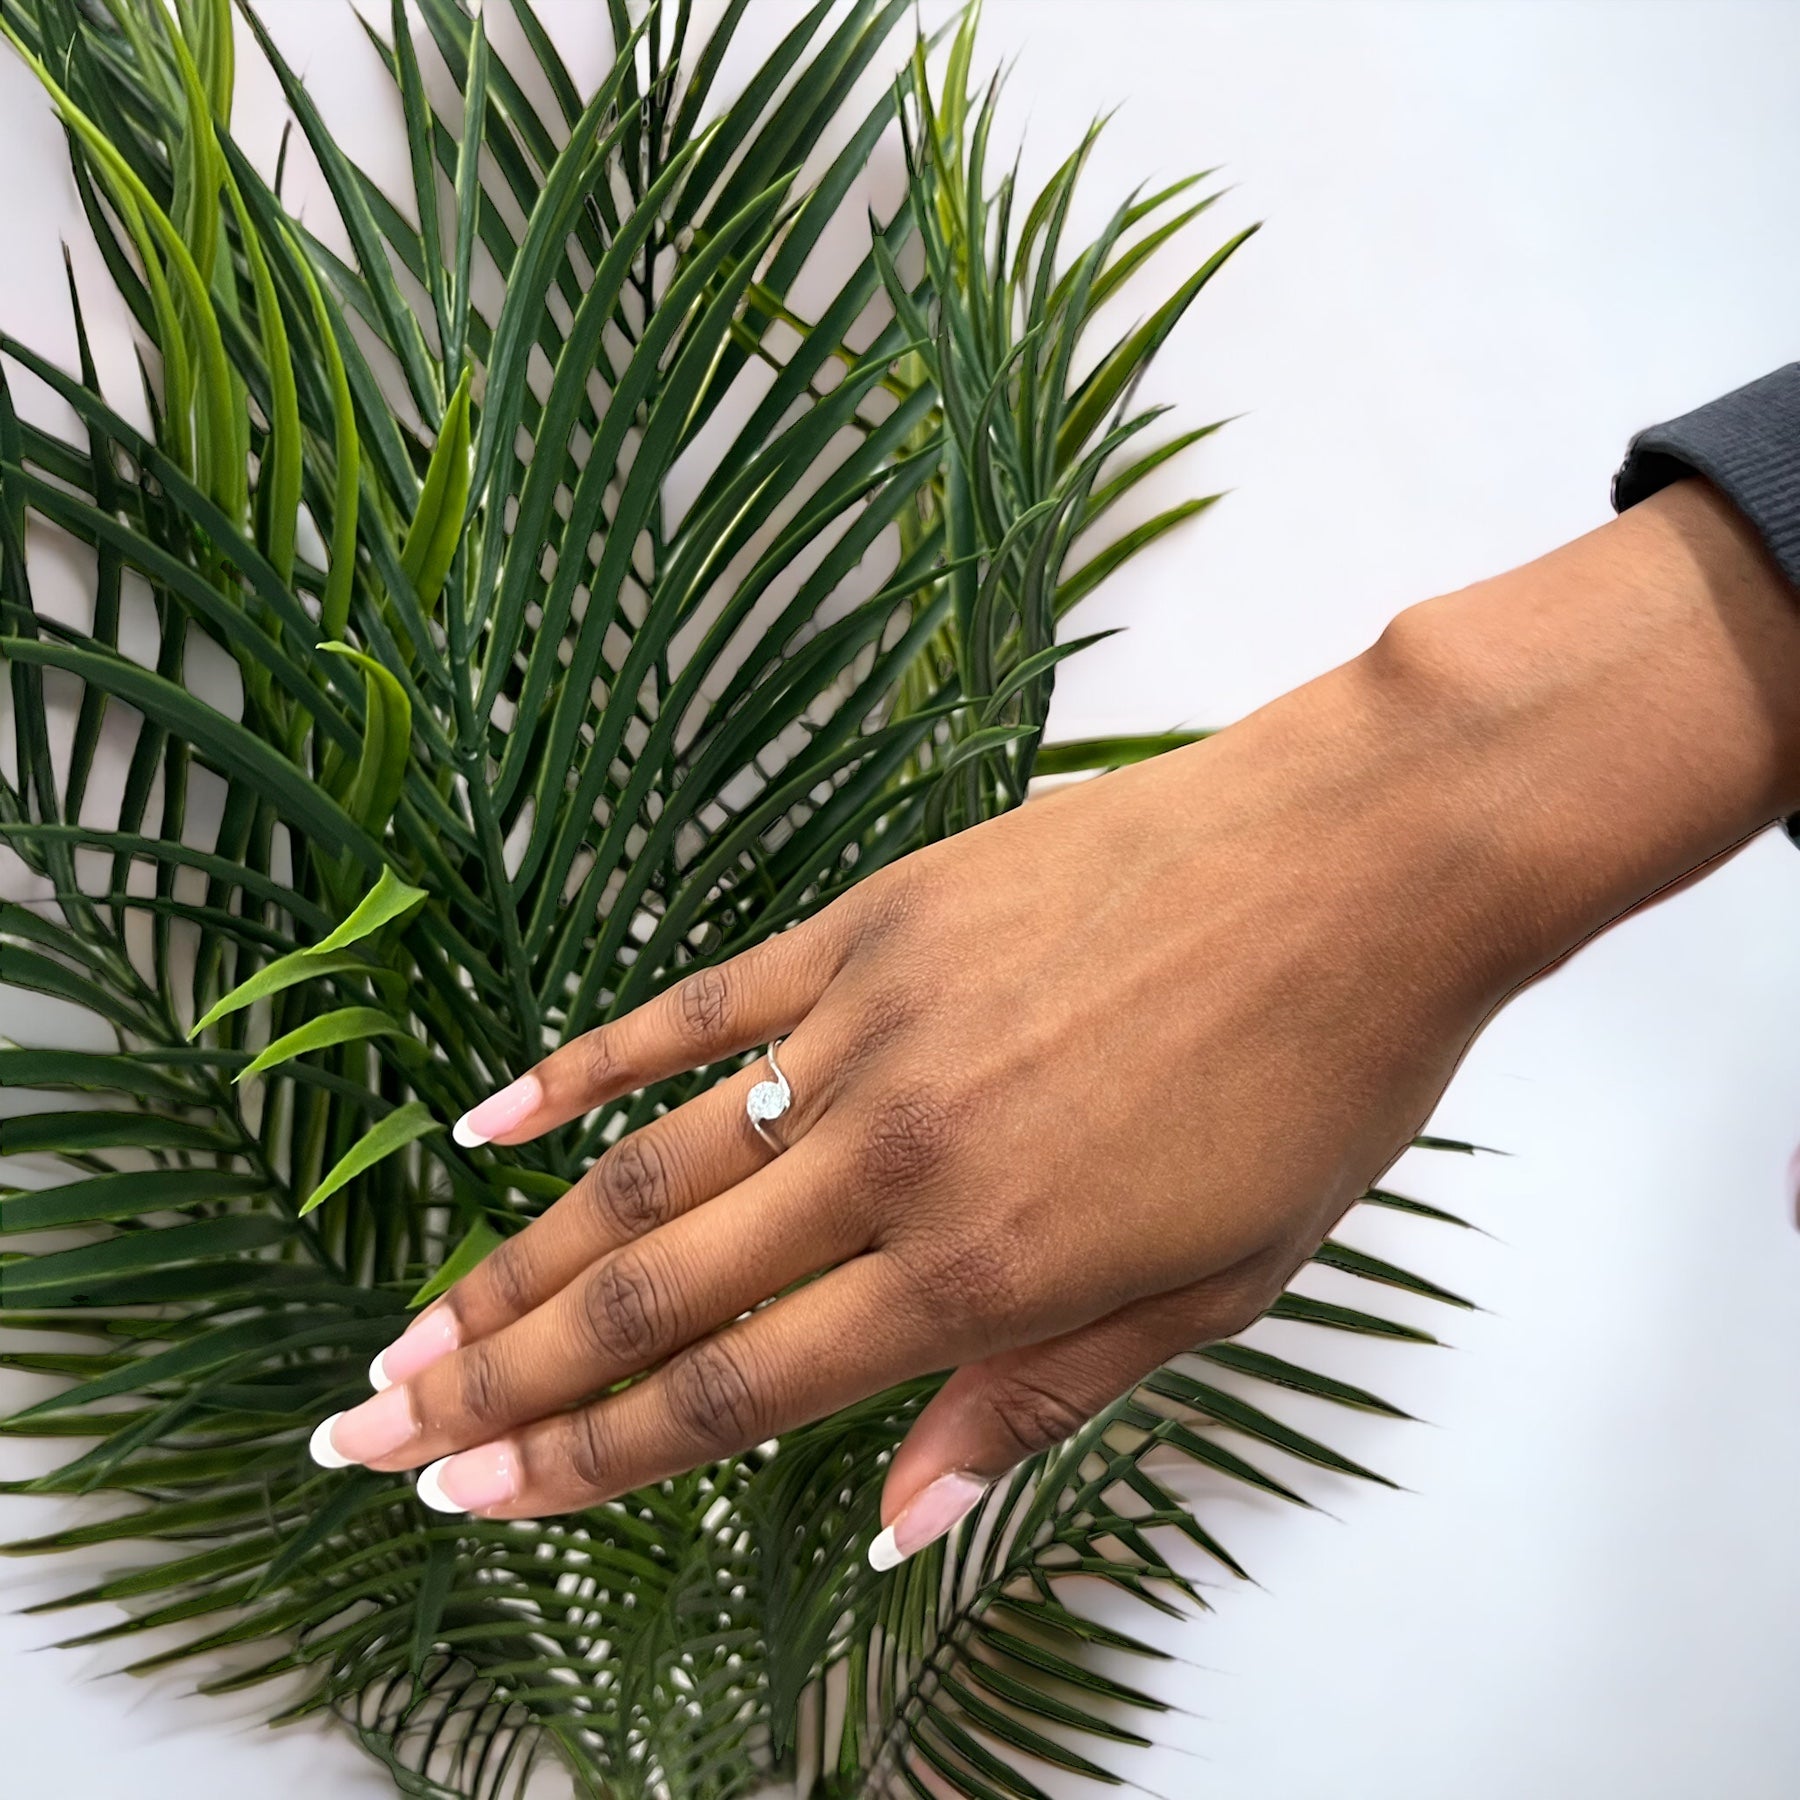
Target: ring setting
x,y
768,1100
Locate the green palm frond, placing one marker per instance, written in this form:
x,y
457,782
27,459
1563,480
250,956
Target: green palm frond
x,y
491,627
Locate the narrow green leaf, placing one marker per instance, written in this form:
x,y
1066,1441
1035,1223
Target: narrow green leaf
x,y
1304,1310
77,1131
477,1242
276,978
1098,567
130,1194
87,1071
1109,380
434,1592
347,1025
374,789
334,604
1418,1209
468,193
1080,756
58,1278
389,899
403,1126
1282,1373
1333,1255
437,523
1240,1415
354,1492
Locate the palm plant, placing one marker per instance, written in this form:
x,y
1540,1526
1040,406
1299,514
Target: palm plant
x,y
457,732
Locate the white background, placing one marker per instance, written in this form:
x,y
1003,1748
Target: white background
x,y
1500,238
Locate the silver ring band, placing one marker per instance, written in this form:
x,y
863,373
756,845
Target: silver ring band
x,y
768,1100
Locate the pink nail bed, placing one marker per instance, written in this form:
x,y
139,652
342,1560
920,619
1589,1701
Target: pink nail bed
x,y
430,1337
472,1481
499,1113
377,1428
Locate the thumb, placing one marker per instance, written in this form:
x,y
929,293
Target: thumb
x,y
991,1415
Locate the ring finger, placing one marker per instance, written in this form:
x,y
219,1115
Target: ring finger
x,y
650,1177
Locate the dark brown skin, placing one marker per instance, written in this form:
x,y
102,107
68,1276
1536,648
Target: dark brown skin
x,y
1082,1087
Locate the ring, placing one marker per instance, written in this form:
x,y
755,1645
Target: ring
x,y
769,1100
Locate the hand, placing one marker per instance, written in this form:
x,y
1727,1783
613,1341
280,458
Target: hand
x,y
1082,1087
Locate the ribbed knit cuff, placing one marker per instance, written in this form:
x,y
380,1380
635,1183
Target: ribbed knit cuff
x,y
1747,444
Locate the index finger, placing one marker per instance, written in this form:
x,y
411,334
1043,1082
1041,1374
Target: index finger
x,y
715,1012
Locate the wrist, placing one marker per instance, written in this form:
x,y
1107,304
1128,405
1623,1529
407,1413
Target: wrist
x,y
1592,727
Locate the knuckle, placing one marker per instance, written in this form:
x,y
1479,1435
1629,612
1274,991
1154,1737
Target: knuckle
x,y
631,1187
481,1385
889,900
1034,1417
703,1005
507,1275
625,1310
713,1400
598,1051
587,1451
890,1008
906,1139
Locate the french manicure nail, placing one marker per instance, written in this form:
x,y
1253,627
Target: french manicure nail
x,y
324,1452
515,1102
472,1480
926,1517
375,1429
431,1336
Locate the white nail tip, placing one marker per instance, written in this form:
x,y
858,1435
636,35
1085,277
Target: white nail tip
x,y
431,1488
379,1379
885,1552
324,1452
465,1135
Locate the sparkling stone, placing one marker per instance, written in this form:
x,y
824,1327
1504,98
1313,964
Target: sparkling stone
x,y
767,1100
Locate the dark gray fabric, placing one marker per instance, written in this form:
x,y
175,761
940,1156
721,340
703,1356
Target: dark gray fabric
x,y
1747,444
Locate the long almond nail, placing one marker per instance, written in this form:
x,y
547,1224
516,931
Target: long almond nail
x,y
931,1512
375,1429
430,1337
501,1112
472,1481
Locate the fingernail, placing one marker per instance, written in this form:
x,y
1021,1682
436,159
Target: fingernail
x,y
324,1452
472,1480
926,1517
515,1102
433,1334
376,1428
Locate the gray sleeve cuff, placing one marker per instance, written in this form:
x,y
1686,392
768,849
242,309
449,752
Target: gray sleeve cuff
x,y
1747,444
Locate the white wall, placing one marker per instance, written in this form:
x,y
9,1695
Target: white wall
x,y
1500,237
